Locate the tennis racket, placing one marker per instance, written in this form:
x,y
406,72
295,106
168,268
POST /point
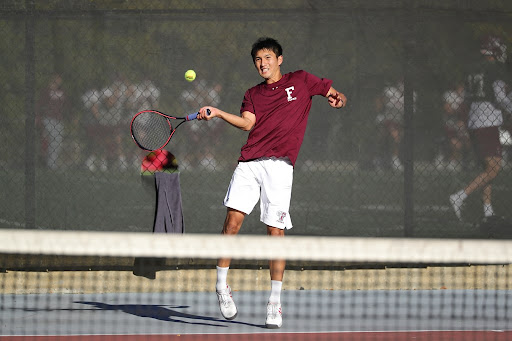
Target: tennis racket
x,y
152,130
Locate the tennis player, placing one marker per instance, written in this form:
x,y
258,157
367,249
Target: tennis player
x,y
486,90
275,113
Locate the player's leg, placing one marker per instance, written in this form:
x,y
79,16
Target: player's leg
x,y
274,313
394,129
276,266
492,169
243,193
488,150
486,196
232,225
275,203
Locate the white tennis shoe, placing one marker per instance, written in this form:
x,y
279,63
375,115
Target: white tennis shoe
x,y
226,304
274,316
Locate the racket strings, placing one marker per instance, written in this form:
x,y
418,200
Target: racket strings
x,y
151,131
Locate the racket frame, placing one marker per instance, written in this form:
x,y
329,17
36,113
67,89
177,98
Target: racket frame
x,y
190,117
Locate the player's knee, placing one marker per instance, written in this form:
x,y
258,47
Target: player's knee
x,y
231,228
493,169
274,231
493,172
233,222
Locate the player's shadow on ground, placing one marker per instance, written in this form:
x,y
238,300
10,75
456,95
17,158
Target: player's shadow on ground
x,y
165,313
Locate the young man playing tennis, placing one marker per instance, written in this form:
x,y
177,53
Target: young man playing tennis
x,y
275,112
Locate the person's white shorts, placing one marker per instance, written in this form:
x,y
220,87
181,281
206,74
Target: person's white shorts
x,y
268,180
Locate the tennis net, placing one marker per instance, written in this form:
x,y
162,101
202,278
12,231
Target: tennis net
x,y
75,285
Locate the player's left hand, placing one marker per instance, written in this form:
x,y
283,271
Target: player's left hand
x,y
337,99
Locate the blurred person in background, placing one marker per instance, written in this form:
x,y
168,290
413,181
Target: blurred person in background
x,y
143,95
110,115
200,154
486,94
113,112
90,119
506,128
456,138
390,121
51,109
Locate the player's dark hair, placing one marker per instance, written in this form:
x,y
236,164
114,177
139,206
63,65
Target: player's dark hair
x,y
266,43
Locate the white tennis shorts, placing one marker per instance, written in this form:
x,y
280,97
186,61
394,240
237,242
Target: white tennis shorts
x,y
268,180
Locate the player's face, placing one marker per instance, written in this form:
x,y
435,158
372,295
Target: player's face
x,y
268,65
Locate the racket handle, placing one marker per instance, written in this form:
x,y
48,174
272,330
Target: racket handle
x,y
193,116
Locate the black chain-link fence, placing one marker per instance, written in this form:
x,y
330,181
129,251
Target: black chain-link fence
x,y
394,162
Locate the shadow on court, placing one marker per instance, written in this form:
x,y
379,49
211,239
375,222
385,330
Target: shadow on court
x,y
166,313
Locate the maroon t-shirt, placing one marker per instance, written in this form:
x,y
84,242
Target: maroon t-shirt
x,y
281,110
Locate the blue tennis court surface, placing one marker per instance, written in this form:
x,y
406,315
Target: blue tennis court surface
x,y
306,312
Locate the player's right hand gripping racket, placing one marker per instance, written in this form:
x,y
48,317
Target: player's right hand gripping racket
x,y
152,130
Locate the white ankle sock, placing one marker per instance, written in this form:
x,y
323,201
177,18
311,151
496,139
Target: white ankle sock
x,y
275,293
222,275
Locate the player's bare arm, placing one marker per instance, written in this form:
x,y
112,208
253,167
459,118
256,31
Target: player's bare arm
x,y
244,122
336,99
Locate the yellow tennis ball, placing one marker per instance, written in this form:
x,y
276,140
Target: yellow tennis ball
x,y
190,75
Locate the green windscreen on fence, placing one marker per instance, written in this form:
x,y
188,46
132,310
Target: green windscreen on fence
x,y
384,166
